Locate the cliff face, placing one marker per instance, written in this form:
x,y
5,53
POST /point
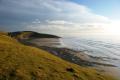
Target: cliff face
x,y
50,42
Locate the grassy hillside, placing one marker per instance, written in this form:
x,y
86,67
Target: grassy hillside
x,y
30,35
20,62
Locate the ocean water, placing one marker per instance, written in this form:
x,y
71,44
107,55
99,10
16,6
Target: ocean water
x,y
95,46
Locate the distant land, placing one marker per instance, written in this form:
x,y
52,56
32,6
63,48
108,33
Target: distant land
x,y
35,38
30,34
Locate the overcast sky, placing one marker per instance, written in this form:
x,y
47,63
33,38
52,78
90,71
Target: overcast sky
x,y
61,17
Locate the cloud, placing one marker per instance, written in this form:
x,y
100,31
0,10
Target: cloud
x,y
36,21
64,28
49,9
58,22
52,16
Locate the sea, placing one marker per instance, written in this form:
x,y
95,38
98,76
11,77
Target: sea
x,y
107,47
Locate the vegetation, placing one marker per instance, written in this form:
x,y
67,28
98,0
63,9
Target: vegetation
x,y
30,34
20,62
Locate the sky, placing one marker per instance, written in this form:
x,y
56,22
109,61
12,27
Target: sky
x,y
108,8
61,17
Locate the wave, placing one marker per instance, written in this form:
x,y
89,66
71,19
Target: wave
x,y
97,48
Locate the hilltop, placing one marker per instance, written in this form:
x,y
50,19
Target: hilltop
x,y
30,34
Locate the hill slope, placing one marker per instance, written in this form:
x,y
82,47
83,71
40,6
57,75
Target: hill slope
x,y
20,62
30,34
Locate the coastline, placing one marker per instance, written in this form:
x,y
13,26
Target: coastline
x,y
82,59
74,56
77,57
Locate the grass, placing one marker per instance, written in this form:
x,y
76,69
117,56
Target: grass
x,y
20,62
30,34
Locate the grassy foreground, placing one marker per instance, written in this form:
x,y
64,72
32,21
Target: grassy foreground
x,y
20,62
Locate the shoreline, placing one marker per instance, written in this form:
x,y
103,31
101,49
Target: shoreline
x,y
85,60
76,56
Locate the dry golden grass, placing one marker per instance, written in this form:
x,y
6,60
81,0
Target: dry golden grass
x,y
20,62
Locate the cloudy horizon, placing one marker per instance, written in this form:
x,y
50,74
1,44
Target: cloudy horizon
x,y
60,17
